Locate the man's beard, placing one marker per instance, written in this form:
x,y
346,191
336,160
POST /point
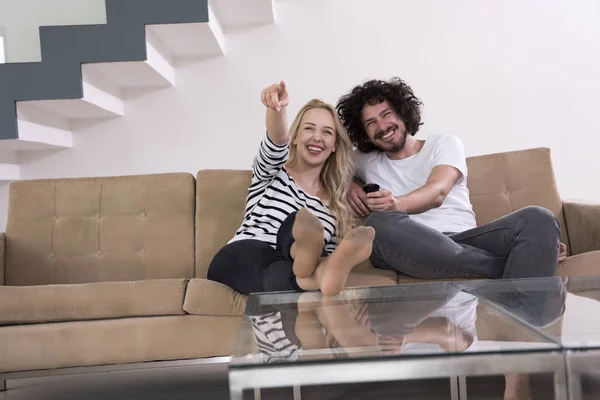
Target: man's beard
x,y
391,148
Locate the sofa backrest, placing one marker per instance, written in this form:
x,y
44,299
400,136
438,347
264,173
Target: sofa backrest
x,y
100,229
505,182
498,184
220,204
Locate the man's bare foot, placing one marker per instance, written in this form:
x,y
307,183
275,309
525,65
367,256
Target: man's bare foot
x,y
352,250
562,252
457,343
308,243
517,387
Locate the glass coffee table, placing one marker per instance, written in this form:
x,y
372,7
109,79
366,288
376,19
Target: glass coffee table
x,y
404,332
578,333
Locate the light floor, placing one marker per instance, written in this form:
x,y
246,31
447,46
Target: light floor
x,y
210,382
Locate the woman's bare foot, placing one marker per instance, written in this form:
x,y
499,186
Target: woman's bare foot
x,y
308,243
309,301
309,331
353,249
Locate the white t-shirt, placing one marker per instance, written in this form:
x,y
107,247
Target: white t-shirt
x,y
404,176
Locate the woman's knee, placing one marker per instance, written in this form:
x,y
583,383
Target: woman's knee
x,y
221,266
284,234
239,258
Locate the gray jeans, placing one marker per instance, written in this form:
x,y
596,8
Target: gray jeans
x,y
523,244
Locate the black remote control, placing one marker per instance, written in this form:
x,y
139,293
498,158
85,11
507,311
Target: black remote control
x,y
370,187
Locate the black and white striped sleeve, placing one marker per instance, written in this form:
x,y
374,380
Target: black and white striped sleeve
x,y
271,157
331,245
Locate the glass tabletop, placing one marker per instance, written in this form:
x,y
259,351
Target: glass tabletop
x,y
412,320
563,309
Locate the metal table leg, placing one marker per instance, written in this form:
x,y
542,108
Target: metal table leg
x,y
297,393
454,388
462,387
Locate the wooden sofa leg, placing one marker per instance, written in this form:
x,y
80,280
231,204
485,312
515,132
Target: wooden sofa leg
x,y
2,385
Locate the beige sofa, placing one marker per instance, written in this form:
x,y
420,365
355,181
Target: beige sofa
x,y
104,271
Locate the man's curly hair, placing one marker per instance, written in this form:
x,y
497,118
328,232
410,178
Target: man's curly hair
x,y
400,96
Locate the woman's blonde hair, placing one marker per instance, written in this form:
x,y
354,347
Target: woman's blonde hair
x,y
337,171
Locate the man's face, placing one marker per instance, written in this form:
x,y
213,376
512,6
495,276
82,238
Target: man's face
x,y
385,129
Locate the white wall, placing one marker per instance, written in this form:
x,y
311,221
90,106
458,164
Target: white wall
x,y
502,75
22,19
2,53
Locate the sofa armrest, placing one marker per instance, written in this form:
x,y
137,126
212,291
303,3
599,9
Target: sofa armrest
x,y
583,226
2,257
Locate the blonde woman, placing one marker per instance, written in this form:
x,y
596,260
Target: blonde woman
x,y
296,208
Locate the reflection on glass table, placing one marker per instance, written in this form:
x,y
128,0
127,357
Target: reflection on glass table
x,y
566,311
383,333
580,334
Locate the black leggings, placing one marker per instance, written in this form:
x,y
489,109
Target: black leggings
x,y
251,266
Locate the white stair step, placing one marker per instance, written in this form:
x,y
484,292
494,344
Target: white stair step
x,y
239,14
101,99
9,173
39,130
156,72
33,136
192,40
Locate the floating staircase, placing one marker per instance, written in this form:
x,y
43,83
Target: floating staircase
x,y
87,72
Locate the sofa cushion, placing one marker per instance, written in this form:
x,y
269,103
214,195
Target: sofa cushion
x,y
581,264
583,223
220,203
2,256
205,297
505,182
365,274
52,303
495,325
83,230
115,341
403,279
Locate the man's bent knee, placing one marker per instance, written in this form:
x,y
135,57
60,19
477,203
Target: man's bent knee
x,y
543,227
540,218
381,220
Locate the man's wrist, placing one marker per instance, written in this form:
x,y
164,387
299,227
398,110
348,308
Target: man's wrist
x,y
398,204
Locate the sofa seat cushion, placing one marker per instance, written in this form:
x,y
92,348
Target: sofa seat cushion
x,y
365,274
581,264
115,341
206,297
495,326
102,300
406,279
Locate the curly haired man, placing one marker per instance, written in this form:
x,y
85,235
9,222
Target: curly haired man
x,y
424,222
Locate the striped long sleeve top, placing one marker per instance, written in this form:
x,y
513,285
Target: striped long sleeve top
x,y
273,195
